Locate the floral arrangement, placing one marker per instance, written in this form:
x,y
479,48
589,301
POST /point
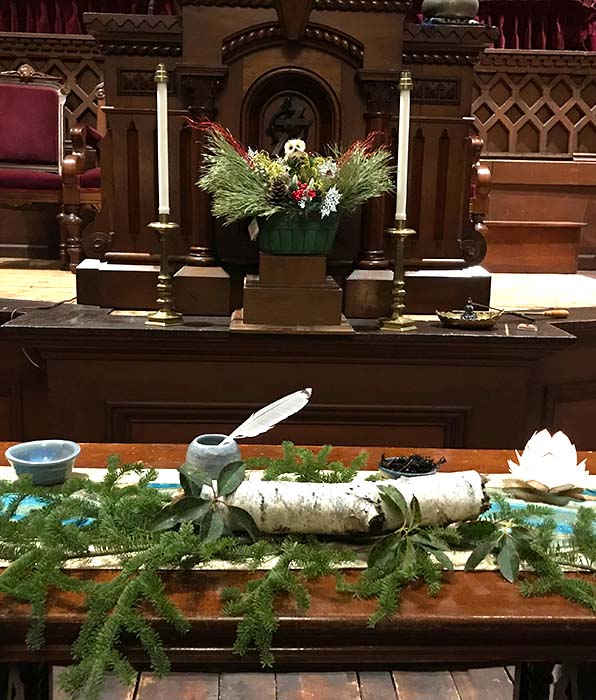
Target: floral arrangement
x,y
250,183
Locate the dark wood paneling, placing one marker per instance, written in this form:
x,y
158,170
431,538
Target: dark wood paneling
x,y
339,424
571,407
109,377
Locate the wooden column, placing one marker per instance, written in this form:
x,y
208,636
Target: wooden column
x,y
381,93
201,86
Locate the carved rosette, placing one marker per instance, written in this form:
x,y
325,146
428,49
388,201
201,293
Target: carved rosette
x,y
201,87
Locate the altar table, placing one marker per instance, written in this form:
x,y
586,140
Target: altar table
x,y
477,619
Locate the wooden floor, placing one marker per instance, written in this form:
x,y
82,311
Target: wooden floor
x,y
509,291
475,684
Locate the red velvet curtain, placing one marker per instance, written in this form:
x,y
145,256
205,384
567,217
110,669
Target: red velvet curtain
x,y
535,24
66,16
558,26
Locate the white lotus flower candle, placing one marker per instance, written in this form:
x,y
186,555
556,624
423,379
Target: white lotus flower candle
x,y
549,463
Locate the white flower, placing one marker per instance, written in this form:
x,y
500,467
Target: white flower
x,y
330,202
294,146
550,461
328,168
252,152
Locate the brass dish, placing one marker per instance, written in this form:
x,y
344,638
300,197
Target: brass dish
x,y
484,319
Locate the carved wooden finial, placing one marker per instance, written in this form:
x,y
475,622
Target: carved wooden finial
x,y
293,17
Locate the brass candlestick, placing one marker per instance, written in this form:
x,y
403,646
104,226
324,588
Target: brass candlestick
x,y
398,323
165,314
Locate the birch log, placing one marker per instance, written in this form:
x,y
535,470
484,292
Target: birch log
x,y
357,507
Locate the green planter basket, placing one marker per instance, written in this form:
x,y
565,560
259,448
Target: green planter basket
x,y
281,234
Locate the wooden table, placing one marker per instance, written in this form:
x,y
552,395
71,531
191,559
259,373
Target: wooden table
x,y
477,619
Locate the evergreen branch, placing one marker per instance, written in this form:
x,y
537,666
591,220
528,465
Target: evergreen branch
x,y
302,465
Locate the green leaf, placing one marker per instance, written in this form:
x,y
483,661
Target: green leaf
x,y
193,478
189,509
240,518
383,551
212,526
481,551
395,500
409,558
442,558
187,486
416,516
477,531
508,560
230,478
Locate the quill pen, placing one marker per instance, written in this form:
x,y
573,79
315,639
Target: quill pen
x,y
268,417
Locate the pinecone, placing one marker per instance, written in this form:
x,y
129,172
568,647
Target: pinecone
x,y
278,191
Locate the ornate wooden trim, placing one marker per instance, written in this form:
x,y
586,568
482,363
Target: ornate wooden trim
x,y
138,82
26,74
401,6
381,91
136,35
446,91
536,61
446,44
478,35
202,85
318,35
122,415
61,45
104,23
449,58
363,5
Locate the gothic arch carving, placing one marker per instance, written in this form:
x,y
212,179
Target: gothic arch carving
x,y
318,36
310,104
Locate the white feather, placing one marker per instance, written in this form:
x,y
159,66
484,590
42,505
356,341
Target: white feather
x,y
268,417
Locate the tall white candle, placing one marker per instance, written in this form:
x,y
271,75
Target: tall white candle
x,y
161,78
405,87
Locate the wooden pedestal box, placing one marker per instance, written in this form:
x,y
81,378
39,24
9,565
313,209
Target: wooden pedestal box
x,y
291,292
368,292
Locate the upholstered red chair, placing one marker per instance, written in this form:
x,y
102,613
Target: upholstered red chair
x,y
33,168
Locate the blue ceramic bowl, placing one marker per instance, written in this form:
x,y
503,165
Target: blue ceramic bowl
x,y
48,461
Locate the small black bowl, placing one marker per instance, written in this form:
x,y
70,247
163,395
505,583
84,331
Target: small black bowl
x,y
410,465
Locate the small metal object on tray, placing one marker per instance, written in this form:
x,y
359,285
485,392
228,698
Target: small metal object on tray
x,y
483,320
469,317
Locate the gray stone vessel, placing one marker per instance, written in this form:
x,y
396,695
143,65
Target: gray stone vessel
x,y
211,454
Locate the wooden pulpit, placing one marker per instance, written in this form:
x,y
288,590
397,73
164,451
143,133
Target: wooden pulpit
x,y
322,70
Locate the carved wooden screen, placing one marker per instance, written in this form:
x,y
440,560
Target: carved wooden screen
x,y
538,104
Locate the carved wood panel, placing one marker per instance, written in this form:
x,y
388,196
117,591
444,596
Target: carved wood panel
x,y
536,103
